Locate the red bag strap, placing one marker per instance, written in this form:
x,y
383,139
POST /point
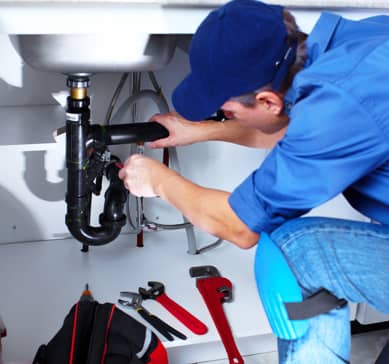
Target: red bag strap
x,y
74,332
107,333
159,355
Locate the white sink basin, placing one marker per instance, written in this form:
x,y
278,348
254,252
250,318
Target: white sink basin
x,y
89,36
91,53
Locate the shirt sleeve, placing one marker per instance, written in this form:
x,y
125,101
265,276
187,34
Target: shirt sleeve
x,y
331,142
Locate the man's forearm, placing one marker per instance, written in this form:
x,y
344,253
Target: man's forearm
x,y
207,209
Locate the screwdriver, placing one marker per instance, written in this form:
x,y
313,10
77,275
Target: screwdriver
x,y
86,294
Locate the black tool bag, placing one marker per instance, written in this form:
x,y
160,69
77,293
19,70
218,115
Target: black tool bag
x,y
94,333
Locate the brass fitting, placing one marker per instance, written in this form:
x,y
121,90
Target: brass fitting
x,y
78,93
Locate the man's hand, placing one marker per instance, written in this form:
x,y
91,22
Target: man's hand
x,y
206,208
142,176
181,131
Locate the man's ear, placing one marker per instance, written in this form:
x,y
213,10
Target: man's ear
x,y
271,101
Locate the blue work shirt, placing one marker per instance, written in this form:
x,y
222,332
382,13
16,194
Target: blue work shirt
x,y
337,140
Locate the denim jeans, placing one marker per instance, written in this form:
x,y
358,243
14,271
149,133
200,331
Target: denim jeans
x,y
349,259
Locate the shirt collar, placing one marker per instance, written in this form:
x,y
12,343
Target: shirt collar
x,y
317,43
321,35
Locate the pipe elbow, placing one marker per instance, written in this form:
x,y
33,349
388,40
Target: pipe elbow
x,y
94,235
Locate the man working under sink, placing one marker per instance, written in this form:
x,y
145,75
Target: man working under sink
x,y
321,102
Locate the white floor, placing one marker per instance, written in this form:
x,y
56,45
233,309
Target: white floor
x,y
365,349
41,270
267,358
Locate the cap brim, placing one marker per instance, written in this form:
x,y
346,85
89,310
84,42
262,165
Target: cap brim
x,y
194,100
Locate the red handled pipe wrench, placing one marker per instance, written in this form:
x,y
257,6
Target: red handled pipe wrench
x,y
215,291
157,292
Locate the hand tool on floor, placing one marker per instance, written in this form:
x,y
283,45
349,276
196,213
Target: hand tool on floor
x,y
216,290
86,294
135,301
157,292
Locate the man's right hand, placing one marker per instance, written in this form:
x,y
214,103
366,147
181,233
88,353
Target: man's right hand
x,y
181,131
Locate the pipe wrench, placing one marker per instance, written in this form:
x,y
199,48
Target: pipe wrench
x,y
216,290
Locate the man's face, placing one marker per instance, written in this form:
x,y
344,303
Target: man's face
x,y
259,116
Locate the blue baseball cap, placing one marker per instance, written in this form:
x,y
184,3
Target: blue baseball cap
x,y
237,49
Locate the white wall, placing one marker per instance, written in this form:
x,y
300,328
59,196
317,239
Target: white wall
x,y
33,187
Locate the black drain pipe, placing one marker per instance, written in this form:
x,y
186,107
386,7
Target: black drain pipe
x,y
87,160
79,191
127,133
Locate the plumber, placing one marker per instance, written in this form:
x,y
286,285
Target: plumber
x,y
320,102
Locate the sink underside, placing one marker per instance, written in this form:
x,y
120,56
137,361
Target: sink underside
x,y
93,53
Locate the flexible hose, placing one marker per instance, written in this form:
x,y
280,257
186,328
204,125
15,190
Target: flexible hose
x,y
115,98
144,94
141,221
120,114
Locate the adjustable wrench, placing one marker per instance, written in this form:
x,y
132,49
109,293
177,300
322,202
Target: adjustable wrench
x,y
157,292
215,291
135,301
